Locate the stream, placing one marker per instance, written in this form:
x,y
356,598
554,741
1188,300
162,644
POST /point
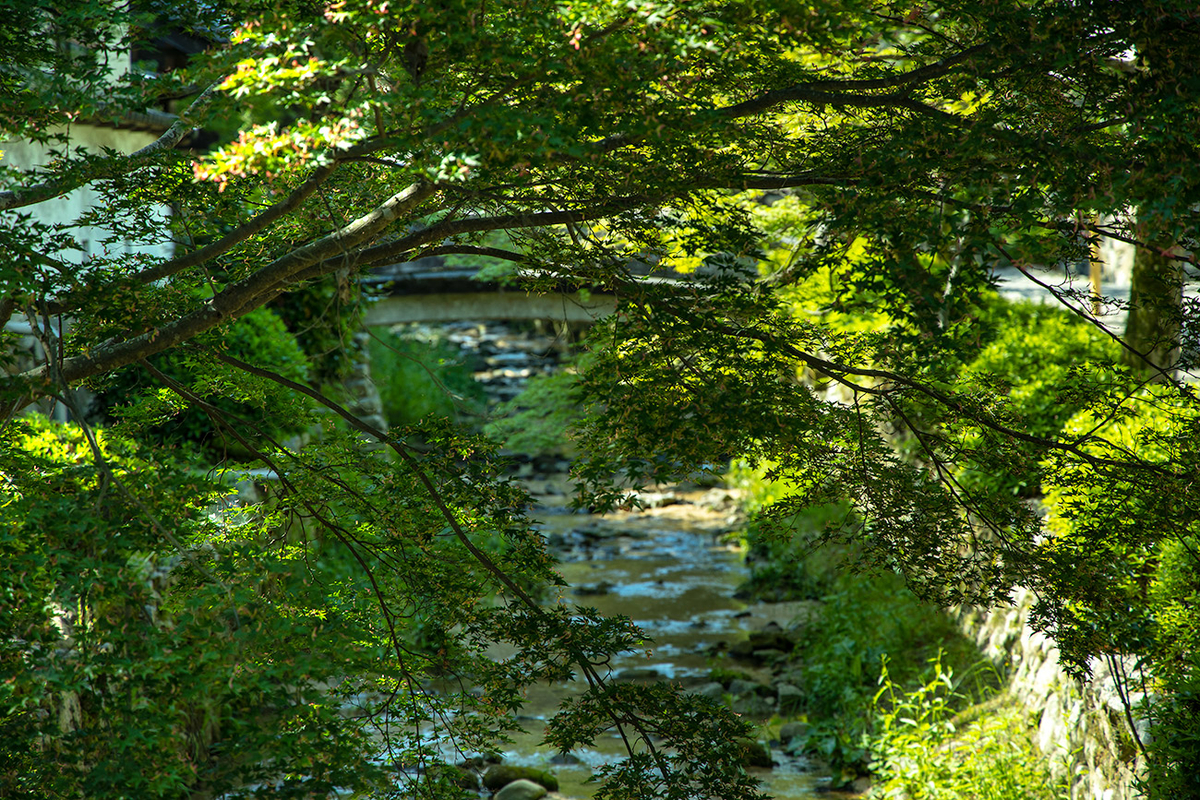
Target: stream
x,y
669,570
666,567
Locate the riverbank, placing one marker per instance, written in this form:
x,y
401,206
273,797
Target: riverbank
x,y
798,651
675,568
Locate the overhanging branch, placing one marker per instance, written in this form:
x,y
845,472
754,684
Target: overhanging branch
x,y
113,166
388,252
838,93
840,373
242,232
838,100
239,298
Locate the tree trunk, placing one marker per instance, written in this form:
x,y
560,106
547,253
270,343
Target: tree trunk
x,y
1156,297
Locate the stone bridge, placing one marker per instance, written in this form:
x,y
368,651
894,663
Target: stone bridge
x,y
428,291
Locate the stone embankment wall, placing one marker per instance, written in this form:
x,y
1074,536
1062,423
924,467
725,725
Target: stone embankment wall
x,y
1082,726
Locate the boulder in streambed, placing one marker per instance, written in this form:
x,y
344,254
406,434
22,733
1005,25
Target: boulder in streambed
x,y
712,690
772,640
791,698
593,589
501,775
595,531
655,499
638,674
739,686
463,778
793,735
763,647
521,790
792,674
753,706
756,754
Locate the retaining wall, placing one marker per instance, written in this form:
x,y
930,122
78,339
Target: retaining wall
x,y
1082,726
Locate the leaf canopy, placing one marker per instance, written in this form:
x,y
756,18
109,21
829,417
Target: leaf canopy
x,y
880,157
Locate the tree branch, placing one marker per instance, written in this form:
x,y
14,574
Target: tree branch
x,y
388,252
919,75
239,298
838,372
833,93
768,182
242,232
113,166
1165,374
821,98
577,653
490,252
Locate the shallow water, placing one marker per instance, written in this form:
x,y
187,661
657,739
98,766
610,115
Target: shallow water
x,y
671,574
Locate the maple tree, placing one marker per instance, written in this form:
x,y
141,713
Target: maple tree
x,y
907,150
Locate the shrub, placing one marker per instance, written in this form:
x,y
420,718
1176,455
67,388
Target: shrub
x,y
537,420
259,337
863,619
1127,573
418,379
920,750
1035,351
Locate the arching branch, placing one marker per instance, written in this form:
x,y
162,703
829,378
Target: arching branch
x,y
240,297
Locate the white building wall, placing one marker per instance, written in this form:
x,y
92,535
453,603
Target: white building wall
x,y
65,210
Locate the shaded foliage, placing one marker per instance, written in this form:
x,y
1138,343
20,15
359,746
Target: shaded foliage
x,y
911,152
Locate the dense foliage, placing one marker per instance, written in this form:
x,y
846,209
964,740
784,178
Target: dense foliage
x,y
903,152
134,393
925,751
871,632
419,378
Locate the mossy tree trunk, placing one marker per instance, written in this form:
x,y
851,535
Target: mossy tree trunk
x,y
1156,296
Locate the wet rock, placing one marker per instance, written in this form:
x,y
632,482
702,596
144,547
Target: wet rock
x,y
565,759
594,589
656,499
720,499
756,754
740,687
771,640
596,532
521,790
690,681
507,359
792,674
791,698
727,676
753,706
639,674
769,656
743,650
793,734
712,690
503,774
756,653
463,778
848,781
